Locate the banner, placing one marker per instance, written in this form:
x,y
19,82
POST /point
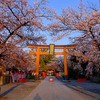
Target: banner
x,y
51,49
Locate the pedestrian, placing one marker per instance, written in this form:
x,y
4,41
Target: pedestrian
x,y
13,77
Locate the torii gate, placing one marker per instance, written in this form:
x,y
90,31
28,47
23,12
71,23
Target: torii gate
x,y
51,48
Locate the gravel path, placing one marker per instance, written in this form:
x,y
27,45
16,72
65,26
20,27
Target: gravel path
x,y
45,90
17,91
60,91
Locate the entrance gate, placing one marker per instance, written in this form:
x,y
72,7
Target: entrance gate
x,y
38,50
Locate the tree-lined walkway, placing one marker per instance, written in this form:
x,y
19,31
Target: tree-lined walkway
x,y
60,91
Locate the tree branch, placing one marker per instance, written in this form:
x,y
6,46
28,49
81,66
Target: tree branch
x,y
97,44
11,33
13,12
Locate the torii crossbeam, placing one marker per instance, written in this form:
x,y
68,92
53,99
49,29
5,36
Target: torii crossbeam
x,y
38,52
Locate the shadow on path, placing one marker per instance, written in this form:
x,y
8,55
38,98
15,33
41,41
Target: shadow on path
x,y
83,88
11,89
37,97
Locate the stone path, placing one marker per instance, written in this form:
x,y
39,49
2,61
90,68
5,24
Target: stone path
x,y
60,91
17,91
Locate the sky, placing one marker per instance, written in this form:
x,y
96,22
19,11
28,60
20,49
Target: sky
x,y
58,5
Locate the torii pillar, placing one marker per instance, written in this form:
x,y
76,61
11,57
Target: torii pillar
x,y
65,64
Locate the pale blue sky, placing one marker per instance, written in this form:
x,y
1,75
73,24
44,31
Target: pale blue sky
x,y
58,5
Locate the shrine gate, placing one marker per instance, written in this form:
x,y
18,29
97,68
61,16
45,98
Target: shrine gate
x,y
38,50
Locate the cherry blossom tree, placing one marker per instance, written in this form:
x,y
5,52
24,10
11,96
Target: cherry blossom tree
x,y
19,19
84,21
20,24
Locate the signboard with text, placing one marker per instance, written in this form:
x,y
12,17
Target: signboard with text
x,y
51,49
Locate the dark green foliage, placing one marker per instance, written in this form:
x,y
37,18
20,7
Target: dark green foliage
x,y
73,58
44,59
30,77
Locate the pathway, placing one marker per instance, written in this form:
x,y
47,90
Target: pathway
x,y
60,91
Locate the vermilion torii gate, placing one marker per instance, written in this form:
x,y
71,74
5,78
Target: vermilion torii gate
x,y
39,51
